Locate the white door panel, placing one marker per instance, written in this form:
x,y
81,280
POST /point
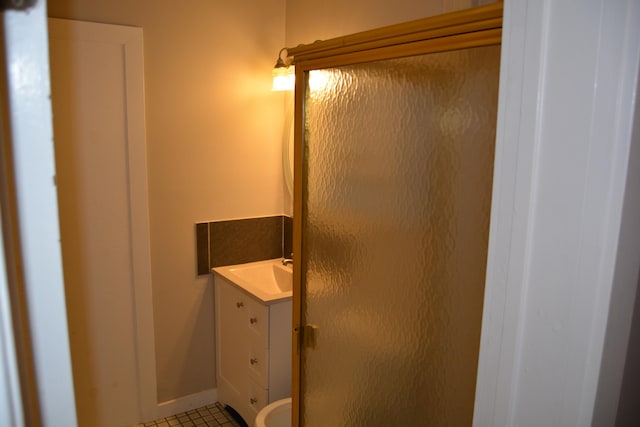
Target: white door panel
x,y
98,103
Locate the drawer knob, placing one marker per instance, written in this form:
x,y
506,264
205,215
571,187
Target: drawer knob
x,y
253,361
253,400
239,304
253,320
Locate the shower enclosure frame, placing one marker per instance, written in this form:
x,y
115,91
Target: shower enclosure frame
x,y
481,26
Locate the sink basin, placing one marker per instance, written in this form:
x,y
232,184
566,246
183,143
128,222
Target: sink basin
x,y
268,280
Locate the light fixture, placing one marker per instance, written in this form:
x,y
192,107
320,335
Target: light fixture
x,y
284,76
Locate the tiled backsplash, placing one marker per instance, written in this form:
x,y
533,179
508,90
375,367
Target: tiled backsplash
x,y
242,240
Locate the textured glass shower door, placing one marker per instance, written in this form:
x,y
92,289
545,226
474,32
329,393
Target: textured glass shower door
x,y
397,175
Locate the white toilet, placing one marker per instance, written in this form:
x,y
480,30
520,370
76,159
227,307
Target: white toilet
x,y
275,414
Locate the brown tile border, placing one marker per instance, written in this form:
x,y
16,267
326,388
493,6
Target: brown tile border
x,y
242,240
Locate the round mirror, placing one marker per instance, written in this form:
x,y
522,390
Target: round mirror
x,y
287,147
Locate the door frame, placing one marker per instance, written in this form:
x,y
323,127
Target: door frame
x,y
36,364
476,27
562,262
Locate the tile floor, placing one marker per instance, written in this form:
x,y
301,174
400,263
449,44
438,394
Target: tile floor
x,y
210,415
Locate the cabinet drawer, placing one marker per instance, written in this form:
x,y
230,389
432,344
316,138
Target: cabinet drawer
x,y
232,302
258,364
258,319
256,398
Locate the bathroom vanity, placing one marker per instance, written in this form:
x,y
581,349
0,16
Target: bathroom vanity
x,y
253,335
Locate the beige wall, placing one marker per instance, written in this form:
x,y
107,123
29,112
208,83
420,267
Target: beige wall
x,y
213,133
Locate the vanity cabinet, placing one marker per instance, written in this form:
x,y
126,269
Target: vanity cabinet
x,y
253,349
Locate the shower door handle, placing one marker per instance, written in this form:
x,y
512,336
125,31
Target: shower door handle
x,y
305,336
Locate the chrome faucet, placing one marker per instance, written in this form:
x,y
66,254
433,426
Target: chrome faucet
x,y
287,261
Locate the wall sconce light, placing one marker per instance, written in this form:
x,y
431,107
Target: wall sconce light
x,y
284,76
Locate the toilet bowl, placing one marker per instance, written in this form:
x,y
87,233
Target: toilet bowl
x,y
275,414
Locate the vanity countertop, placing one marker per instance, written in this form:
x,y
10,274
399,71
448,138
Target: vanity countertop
x,y
270,281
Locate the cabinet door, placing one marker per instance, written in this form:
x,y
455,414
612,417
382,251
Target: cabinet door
x,y
232,351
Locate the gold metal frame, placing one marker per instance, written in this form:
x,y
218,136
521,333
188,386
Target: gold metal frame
x,y
481,26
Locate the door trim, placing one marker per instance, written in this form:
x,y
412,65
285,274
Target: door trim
x,y
36,380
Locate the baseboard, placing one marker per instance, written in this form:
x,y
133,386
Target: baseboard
x,y
187,403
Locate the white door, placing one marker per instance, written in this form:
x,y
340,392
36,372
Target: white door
x,y
98,105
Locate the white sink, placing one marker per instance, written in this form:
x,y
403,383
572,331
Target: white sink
x,y
269,280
